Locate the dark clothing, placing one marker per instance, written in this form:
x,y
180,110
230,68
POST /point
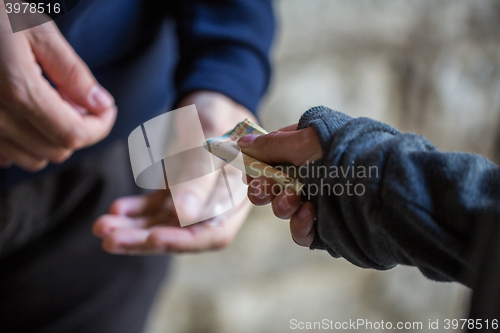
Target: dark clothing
x,y
485,302
150,54
54,276
434,210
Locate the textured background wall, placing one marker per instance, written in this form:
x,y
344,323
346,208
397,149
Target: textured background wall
x,y
425,66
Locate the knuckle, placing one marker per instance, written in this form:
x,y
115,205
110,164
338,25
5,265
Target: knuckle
x,y
301,231
269,139
298,241
300,237
223,243
15,92
299,159
110,244
99,228
115,207
41,164
71,140
155,241
277,211
73,71
268,144
36,165
61,156
41,39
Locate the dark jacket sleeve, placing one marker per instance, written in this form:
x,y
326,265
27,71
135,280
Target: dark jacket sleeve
x,y
224,46
385,198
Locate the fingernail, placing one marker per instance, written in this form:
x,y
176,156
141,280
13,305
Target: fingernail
x,y
247,140
261,194
257,190
283,203
303,213
100,98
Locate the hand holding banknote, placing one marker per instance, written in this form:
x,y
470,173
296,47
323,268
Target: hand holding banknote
x,y
284,146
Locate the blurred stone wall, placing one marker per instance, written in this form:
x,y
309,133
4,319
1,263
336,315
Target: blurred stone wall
x,y
424,66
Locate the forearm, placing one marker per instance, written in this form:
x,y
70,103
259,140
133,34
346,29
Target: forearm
x,y
414,205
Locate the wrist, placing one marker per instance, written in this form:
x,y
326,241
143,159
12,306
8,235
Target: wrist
x,y
218,113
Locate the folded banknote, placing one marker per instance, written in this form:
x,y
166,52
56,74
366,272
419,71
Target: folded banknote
x,y
225,147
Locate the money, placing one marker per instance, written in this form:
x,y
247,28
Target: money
x,y
225,147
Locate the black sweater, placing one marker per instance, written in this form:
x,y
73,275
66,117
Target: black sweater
x,y
405,203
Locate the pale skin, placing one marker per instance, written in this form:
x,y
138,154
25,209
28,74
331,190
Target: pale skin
x,y
40,124
285,146
148,224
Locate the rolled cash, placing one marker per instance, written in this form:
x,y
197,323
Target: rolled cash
x,y
225,147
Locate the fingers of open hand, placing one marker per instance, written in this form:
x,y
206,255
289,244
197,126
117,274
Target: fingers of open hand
x,y
166,239
302,224
160,234
192,198
128,234
148,225
198,237
141,211
142,205
202,236
127,241
107,224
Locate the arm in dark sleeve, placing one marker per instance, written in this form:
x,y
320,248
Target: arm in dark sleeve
x,y
224,47
417,206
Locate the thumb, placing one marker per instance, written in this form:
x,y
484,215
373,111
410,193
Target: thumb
x,y
296,147
68,71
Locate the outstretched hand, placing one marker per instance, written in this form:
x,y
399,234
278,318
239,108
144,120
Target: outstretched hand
x,y
149,224
284,146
